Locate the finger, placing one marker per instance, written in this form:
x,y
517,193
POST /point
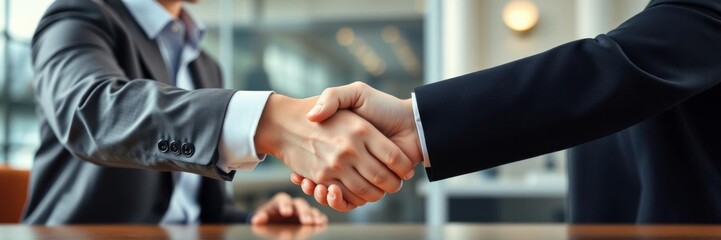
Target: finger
x,y
336,201
340,199
349,196
260,218
303,211
376,173
318,217
332,99
391,155
296,178
308,186
324,220
361,187
321,194
285,204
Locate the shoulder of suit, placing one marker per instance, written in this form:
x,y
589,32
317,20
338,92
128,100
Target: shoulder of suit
x,y
707,6
96,12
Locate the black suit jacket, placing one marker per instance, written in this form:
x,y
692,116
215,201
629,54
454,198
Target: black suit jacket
x,y
109,119
641,104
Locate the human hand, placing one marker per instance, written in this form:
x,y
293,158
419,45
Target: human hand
x,y
282,209
345,150
392,116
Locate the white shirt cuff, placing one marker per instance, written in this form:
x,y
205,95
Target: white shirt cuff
x,y
237,147
421,134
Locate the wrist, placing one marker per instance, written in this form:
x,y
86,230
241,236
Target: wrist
x,y
280,116
268,135
414,132
409,115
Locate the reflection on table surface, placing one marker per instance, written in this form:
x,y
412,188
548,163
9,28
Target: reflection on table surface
x,y
385,231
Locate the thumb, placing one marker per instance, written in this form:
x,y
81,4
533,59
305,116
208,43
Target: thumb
x,y
322,111
333,99
325,106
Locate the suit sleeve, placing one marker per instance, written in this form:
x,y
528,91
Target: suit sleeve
x,y
573,93
102,116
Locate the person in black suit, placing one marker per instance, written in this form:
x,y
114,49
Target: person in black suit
x,y
135,128
639,106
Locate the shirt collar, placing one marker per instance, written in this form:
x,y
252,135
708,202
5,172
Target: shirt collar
x,y
195,29
152,18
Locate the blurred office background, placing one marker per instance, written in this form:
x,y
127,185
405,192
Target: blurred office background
x,y
300,47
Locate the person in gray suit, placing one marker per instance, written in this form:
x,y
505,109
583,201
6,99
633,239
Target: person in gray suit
x,y
135,127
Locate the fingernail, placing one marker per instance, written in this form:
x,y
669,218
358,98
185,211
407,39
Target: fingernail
x,y
315,109
410,174
331,195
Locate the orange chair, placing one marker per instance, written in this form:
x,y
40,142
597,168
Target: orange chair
x,y
13,193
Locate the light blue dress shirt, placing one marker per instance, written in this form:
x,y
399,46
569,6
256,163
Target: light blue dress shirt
x,y
179,44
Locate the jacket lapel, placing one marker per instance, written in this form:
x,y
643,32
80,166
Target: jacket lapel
x,y
149,51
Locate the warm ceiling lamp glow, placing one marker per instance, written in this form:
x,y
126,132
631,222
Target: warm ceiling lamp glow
x,y
520,15
345,36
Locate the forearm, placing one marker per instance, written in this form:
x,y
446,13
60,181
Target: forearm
x,y
102,116
571,94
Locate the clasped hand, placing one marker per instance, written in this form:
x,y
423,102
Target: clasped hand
x,y
363,154
358,160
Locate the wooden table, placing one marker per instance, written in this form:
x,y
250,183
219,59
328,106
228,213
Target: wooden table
x,y
385,231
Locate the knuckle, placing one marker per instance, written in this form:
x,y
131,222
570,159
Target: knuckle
x,y
329,92
325,174
380,179
359,84
361,130
282,196
336,163
394,157
345,151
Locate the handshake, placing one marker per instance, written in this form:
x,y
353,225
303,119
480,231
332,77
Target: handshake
x,y
347,147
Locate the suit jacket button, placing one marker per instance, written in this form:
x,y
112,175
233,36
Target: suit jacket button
x,y
163,145
175,147
188,149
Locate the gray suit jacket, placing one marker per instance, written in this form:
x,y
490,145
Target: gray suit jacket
x,y
113,130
